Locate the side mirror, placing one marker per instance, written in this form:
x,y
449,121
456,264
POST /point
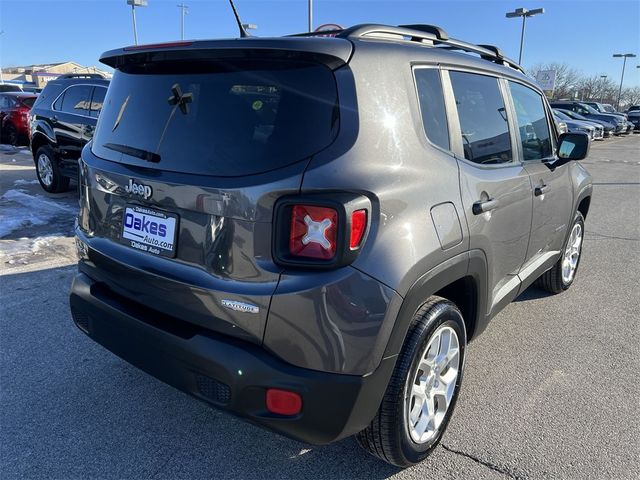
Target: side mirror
x,y
573,146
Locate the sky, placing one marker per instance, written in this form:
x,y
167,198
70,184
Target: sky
x,y
583,34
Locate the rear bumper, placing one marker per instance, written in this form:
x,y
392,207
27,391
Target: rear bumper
x,y
226,372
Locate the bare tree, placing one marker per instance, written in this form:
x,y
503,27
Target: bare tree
x,y
596,89
630,96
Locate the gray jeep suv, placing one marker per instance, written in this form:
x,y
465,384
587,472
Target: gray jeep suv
x,y
307,231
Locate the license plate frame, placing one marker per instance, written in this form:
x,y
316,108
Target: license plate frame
x,y
142,231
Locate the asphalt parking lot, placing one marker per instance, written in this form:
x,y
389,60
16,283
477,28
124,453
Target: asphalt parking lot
x,y
551,388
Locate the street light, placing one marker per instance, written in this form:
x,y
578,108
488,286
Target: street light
x,y
184,9
1,77
604,80
624,64
524,13
134,4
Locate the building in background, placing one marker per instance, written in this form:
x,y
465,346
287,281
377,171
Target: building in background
x,y
37,76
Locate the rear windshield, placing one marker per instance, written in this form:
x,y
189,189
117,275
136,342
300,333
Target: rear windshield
x,y
230,119
28,101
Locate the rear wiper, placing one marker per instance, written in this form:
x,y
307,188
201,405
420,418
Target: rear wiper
x,y
134,152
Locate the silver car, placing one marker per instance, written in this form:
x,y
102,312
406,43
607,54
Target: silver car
x,y
595,131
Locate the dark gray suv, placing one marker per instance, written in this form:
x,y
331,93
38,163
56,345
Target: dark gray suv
x,y
307,231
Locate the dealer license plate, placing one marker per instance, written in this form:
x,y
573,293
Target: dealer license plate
x,y
149,230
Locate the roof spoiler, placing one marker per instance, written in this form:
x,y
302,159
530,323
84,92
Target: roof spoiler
x,y
333,54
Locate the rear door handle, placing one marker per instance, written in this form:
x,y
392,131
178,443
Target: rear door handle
x,y
541,190
484,206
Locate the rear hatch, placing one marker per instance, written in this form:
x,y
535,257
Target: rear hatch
x,y
193,146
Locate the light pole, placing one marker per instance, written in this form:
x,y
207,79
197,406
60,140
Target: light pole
x,y
134,4
1,77
524,13
624,64
311,15
604,80
184,9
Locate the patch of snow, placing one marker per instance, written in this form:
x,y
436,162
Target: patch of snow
x,y
19,218
24,249
18,210
37,202
22,181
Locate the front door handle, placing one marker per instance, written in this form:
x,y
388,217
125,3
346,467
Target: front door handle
x,y
484,206
541,190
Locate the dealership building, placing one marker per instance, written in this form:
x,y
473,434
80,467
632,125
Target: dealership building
x,y
37,76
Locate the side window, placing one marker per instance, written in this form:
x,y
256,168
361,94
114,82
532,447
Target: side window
x,y
483,118
58,103
7,102
76,100
97,100
434,116
532,122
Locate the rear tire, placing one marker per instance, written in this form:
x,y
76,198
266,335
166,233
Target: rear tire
x,y
423,389
10,134
48,171
563,273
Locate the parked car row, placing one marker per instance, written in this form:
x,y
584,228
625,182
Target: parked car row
x,y
568,124
575,116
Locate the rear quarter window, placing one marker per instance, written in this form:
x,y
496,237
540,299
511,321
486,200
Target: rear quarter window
x,y
432,108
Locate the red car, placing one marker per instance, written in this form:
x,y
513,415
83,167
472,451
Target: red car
x,y
14,112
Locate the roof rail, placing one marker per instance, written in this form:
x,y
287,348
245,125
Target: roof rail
x,y
434,29
81,75
433,34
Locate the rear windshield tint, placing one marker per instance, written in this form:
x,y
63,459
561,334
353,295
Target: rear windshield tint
x,y
28,101
238,118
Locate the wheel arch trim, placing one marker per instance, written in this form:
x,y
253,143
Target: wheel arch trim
x,y
44,132
472,264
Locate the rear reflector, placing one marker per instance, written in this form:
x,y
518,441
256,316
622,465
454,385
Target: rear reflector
x,y
358,226
313,232
283,402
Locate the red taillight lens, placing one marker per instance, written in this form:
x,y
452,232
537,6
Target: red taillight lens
x,y
283,402
313,232
358,227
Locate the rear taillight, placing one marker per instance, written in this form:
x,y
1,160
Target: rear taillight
x,y
320,230
313,232
358,227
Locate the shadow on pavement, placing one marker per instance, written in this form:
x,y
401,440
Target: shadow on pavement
x,y
532,293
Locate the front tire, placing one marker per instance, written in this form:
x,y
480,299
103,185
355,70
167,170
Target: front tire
x,y
48,171
423,389
563,273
